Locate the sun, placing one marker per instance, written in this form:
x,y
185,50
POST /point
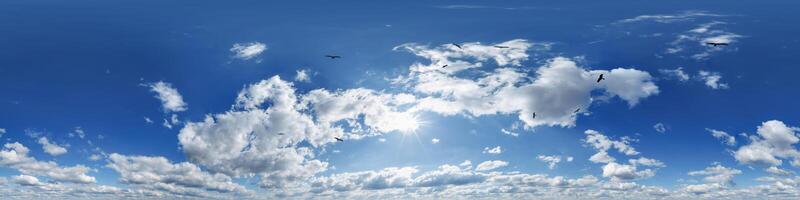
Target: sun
x,y
408,123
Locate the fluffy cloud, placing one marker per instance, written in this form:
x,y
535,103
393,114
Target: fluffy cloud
x,y
676,73
143,170
495,150
26,180
260,135
302,76
722,135
490,165
616,171
717,174
272,131
694,41
51,148
2,131
171,100
435,141
247,51
15,155
716,177
558,88
774,142
712,79
552,161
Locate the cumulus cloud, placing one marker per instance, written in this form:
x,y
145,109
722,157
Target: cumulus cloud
x,y
552,161
554,92
617,171
171,100
491,165
15,155
51,148
435,141
302,76
144,170
773,143
495,150
271,131
712,79
247,51
2,131
26,180
716,177
722,135
246,140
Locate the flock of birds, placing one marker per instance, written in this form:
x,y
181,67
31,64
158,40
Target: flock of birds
x,y
715,44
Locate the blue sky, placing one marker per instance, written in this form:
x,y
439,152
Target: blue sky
x,y
208,99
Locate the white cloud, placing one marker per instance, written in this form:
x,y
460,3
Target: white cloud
x,y
495,150
558,89
490,165
717,174
660,128
302,76
670,18
247,51
15,155
51,148
616,171
774,142
694,41
144,170
642,161
507,132
712,79
552,161
435,141
722,135
677,73
95,157
2,131
148,120
26,180
778,171
171,100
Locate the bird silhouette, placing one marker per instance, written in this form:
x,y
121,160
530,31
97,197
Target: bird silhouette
x,y
534,115
457,45
500,47
333,56
577,110
338,139
717,43
601,78
444,66
280,133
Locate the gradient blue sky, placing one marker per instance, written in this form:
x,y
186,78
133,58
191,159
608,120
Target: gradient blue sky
x,y
92,66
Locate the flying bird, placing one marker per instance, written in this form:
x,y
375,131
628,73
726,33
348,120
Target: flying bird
x,y
577,110
717,43
280,133
339,139
333,56
500,47
457,45
601,78
534,115
444,66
